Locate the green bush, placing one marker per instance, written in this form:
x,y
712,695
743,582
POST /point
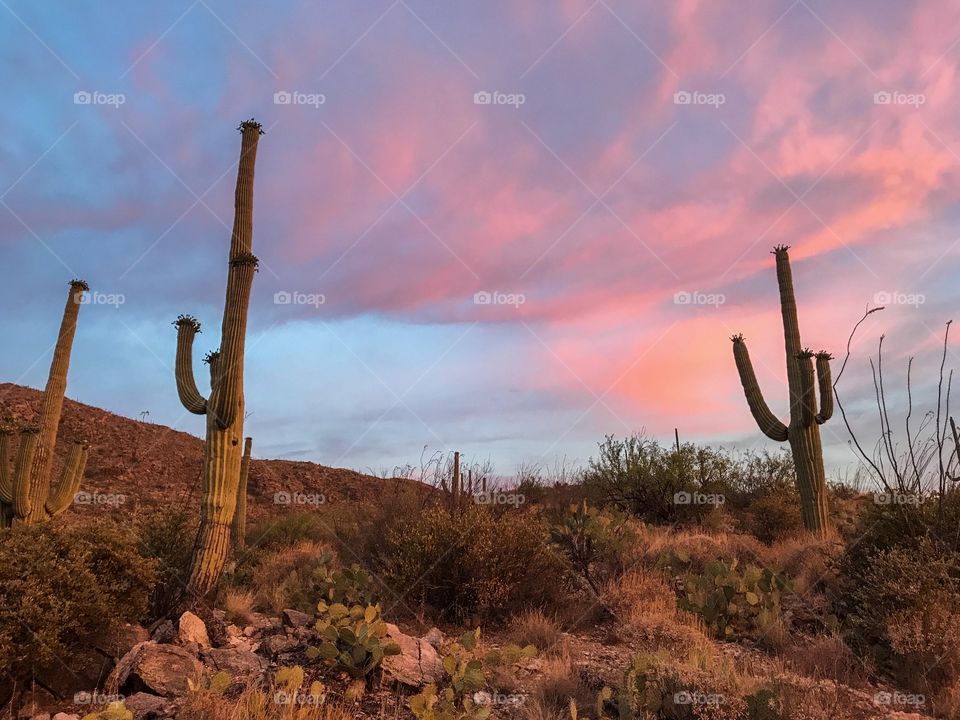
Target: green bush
x,y
63,586
167,539
734,603
594,541
472,562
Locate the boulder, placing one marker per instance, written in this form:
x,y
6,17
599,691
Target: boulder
x,y
236,662
192,629
164,632
162,669
295,618
118,641
276,644
145,706
418,663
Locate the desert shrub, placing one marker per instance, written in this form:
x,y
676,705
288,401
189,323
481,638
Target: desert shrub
x,y
773,516
288,529
657,686
290,577
826,657
734,602
594,542
532,627
62,587
168,539
471,562
560,684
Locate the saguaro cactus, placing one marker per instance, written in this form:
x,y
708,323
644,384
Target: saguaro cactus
x,y
224,407
239,527
803,432
26,495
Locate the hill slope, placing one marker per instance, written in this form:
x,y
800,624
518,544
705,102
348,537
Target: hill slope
x,y
155,466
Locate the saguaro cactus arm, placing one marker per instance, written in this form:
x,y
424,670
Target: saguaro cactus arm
x,y
769,424
22,496
193,401
826,387
239,529
6,477
808,393
62,495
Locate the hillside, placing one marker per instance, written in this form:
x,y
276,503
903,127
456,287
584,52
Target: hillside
x,y
152,465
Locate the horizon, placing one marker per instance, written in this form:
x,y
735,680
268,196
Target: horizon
x,y
513,275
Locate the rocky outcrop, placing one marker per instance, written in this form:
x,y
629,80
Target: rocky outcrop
x,y
160,669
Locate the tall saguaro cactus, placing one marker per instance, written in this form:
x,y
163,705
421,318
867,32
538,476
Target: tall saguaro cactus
x,y
803,432
27,495
224,407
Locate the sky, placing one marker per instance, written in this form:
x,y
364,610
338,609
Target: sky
x,y
502,227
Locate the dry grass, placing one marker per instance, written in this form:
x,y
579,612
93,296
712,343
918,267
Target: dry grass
x,y
826,657
533,627
238,606
559,683
254,704
282,579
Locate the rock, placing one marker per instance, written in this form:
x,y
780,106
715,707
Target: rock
x,y
192,629
296,619
164,632
249,631
163,669
417,664
144,705
276,644
65,716
435,637
41,716
238,663
118,641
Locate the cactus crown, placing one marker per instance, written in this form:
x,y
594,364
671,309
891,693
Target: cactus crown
x,y
823,355
738,338
777,249
805,354
245,259
250,124
79,285
187,321
211,356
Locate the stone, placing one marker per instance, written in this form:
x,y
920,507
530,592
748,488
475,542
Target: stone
x,y
236,662
145,706
164,632
163,669
435,637
118,641
296,619
276,644
418,663
65,716
192,629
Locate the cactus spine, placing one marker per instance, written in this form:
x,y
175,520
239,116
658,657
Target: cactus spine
x,y
239,528
803,432
224,407
27,495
